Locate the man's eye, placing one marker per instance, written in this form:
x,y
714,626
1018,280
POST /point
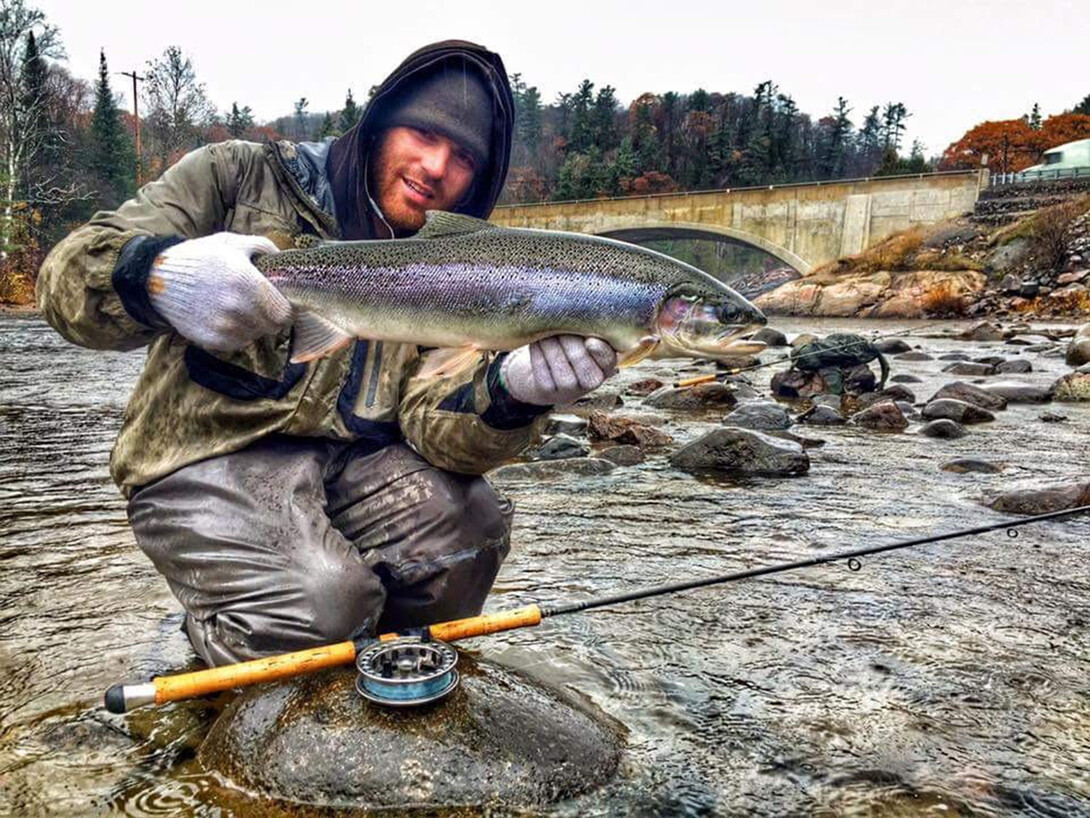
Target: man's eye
x,y
467,160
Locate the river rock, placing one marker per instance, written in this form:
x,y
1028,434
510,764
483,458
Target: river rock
x,y
499,740
882,417
860,379
954,356
743,451
770,337
761,415
794,384
990,360
1018,366
1074,386
1041,499
701,396
893,393
621,429
943,428
1017,392
983,331
914,355
624,455
561,446
1078,351
642,389
803,339
904,378
892,346
734,362
969,368
959,390
820,415
542,469
827,399
566,425
957,410
1052,417
964,465
805,442
600,400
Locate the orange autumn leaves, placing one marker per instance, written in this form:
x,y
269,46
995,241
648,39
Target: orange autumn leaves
x,y
1012,145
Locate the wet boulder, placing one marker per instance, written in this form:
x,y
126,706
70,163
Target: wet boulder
x,y
733,362
964,465
1078,351
860,379
499,740
954,356
742,451
713,395
559,447
914,355
943,428
892,346
1018,366
983,331
832,401
1074,386
566,425
1018,392
882,417
894,393
621,429
760,415
600,400
969,368
794,383
643,388
968,393
821,415
1052,417
905,378
957,410
623,455
770,337
1041,499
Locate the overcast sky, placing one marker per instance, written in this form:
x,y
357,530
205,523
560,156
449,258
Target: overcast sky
x,y
952,63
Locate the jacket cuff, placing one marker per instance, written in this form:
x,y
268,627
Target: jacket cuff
x,y
505,412
130,276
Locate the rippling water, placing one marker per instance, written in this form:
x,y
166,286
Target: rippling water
x,y
946,680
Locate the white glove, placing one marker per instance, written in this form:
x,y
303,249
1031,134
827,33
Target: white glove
x,y
558,369
210,292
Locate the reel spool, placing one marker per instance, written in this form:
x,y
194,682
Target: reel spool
x,y
406,672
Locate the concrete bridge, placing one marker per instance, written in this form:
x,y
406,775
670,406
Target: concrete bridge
x,y
803,225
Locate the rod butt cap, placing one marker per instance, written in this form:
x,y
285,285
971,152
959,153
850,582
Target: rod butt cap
x,y
115,699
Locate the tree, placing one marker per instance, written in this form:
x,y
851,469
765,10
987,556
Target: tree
x,y
328,128
1033,118
299,118
177,104
1010,145
23,33
112,156
835,153
893,125
350,114
1083,107
239,120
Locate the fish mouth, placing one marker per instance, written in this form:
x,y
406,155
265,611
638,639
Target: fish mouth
x,y
730,341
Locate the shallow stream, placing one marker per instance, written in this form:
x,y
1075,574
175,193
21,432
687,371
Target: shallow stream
x,y
952,679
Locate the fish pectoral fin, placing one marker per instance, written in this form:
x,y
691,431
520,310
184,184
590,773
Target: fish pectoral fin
x,y
439,223
440,362
644,348
316,337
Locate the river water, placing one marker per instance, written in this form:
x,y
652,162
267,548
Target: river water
x,y
952,679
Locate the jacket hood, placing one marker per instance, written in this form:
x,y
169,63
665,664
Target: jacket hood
x,y
348,154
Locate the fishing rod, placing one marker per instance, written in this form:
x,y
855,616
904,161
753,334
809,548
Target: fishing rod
x,y
121,698
696,380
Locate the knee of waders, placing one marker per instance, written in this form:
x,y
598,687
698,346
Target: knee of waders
x,y
340,597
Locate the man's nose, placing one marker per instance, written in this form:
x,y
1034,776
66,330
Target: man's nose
x,y
435,161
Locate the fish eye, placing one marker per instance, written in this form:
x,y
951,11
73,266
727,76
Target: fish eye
x,y
726,314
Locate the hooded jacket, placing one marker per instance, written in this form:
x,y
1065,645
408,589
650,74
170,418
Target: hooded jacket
x,y
190,404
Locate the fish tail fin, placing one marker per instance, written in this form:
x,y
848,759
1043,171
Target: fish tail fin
x,y
316,337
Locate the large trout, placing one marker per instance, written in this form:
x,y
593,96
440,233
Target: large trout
x,y
468,285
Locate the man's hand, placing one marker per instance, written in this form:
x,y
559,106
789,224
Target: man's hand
x,y
558,369
210,292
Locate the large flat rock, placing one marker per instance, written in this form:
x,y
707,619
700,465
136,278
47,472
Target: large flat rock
x,y
499,739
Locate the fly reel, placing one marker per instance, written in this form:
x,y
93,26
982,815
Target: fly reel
x,y
406,672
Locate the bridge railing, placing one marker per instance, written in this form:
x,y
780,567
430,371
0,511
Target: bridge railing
x,y
1043,175
678,193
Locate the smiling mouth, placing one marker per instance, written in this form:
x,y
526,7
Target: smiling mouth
x,y
418,189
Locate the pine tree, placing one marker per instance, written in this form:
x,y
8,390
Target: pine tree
x,y
35,106
239,120
112,156
1083,107
1034,117
299,118
834,159
350,114
327,128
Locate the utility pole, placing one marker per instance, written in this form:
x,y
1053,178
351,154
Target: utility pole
x,y
136,120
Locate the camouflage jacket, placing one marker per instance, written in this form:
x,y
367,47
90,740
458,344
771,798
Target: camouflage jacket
x,y
190,404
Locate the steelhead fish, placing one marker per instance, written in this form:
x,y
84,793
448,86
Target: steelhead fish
x,y
468,285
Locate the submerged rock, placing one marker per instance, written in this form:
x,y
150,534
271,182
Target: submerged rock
x,y
821,415
914,355
578,466
963,465
623,455
561,446
742,451
1074,386
882,417
943,428
1017,392
904,378
959,390
1041,499
622,429
498,740
970,368
701,396
957,410
762,416
1052,417
1018,366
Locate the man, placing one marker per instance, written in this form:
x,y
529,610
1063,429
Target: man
x,y
290,505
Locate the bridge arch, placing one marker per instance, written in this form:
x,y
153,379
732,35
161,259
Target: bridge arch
x,y
654,230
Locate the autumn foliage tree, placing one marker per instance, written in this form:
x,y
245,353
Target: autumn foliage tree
x,y
1013,144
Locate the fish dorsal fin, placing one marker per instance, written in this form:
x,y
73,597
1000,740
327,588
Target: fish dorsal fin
x,y
316,337
440,223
